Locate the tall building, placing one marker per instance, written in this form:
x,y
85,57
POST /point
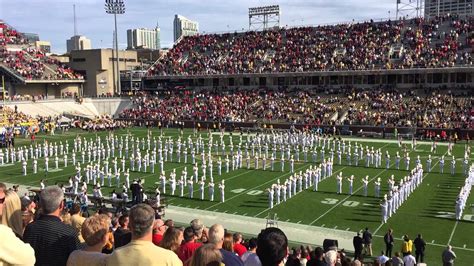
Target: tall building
x,y
143,38
78,42
184,27
443,7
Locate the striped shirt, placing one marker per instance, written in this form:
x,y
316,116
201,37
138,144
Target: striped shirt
x,y
51,239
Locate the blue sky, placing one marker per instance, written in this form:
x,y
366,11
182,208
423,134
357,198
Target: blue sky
x,y
53,19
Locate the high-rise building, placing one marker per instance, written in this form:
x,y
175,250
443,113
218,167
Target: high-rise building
x,y
78,42
184,27
143,38
443,7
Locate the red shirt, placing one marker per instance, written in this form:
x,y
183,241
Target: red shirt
x,y
240,249
186,251
157,239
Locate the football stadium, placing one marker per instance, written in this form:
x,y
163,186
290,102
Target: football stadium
x,y
346,143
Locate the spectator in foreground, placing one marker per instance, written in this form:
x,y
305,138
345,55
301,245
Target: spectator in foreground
x,y
272,247
216,237
189,245
409,260
122,235
52,240
172,239
238,247
228,243
396,260
318,259
382,258
159,230
77,220
448,256
199,230
94,232
206,255
11,214
141,250
12,250
250,257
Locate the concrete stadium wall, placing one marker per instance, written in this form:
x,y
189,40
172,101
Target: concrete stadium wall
x,y
109,106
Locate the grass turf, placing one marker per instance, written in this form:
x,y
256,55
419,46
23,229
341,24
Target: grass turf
x,y
428,210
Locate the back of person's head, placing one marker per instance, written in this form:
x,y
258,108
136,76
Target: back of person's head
x,y
198,227
172,239
142,217
75,209
188,234
51,199
123,220
216,234
318,252
237,237
206,255
272,246
252,243
228,242
94,229
11,215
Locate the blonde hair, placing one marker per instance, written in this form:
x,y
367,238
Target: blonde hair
x,y
12,216
95,228
205,255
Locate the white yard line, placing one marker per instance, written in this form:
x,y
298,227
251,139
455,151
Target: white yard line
x,y
452,232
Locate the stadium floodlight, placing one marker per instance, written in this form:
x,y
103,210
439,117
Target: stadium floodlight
x,y
266,16
115,7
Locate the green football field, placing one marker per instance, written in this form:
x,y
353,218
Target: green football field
x,y
429,209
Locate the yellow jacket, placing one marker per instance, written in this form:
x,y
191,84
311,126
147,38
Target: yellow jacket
x,y
407,246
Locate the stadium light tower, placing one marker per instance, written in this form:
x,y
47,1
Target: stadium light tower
x,y
116,7
264,17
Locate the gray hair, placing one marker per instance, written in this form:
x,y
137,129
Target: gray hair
x,y
51,198
142,217
197,226
216,234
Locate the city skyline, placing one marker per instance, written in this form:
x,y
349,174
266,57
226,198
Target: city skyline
x,y
53,19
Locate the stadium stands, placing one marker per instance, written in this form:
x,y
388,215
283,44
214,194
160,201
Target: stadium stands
x,y
415,43
30,63
348,106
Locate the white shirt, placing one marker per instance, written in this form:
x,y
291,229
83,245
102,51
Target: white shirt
x,y
409,260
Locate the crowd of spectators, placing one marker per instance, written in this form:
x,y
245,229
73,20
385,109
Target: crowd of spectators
x,y
290,106
47,231
415,43
29,62
347,106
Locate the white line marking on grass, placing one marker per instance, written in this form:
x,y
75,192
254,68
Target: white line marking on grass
x,y
348,228
187,206
234,212
225,211
464,246
298,222
335,227
178,205
244,214
378,228
216,210
432,241
452,232
287,220
323,225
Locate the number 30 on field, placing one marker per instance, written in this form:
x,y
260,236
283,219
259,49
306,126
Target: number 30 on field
x,y
348,203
